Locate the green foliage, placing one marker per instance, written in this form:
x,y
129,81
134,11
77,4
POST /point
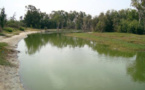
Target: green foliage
x,y
1,34
135,27
8,29
22,29
100,26
2,18
140,6
123,26
125,20
12,24
15,24
140,29
0,29
32,17
57,19
45,28
3,54
130,27
3,45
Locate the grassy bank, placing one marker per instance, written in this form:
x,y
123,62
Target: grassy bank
x,y
16,32
115,41
3,54
4,51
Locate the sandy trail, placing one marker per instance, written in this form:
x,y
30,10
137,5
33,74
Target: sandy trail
x,y
9,76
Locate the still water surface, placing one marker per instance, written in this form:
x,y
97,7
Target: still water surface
x,y
57,62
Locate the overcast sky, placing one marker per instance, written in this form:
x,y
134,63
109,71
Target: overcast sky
x,y
93,7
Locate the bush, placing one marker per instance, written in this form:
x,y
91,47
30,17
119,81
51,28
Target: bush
x,y
15,24
135,27
140,29
130,27
22,29
123,26
100,26
1,34
8,29
45,28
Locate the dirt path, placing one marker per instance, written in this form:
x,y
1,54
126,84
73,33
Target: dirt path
x,y
9,76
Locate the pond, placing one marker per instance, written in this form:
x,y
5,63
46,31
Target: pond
x,y
57,62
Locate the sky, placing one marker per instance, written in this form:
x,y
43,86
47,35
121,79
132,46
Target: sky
x,y
92,7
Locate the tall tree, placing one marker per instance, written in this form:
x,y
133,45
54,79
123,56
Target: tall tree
x,y
140,6
102,23
60,17
32,17
87,23
2,18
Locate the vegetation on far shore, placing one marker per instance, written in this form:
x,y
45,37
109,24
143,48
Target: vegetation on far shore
x,y
115,41
125,20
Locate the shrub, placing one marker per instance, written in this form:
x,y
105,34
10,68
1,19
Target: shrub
x,y
8,29
130,27
123,26
1,34
22,29
140,29
100,26
45,28
13,24
135,27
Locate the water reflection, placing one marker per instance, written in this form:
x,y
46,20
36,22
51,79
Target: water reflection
x,y
34,43
136,69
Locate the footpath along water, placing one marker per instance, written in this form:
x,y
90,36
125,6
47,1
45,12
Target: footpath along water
x,y
57,62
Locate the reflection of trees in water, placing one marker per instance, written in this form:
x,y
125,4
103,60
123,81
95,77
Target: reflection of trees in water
x,y
35,42
137,69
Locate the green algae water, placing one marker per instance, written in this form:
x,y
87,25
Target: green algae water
x,y
56,62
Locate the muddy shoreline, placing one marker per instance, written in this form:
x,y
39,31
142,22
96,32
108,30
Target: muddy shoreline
x,y
9,75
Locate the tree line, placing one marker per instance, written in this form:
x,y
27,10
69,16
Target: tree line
x,y
125,20
9,25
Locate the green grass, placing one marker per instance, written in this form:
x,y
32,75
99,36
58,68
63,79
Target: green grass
x,y
9,29
3,50
3,54
115,41
1,34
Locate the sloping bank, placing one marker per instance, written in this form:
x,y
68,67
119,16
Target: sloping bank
x,y
9,76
